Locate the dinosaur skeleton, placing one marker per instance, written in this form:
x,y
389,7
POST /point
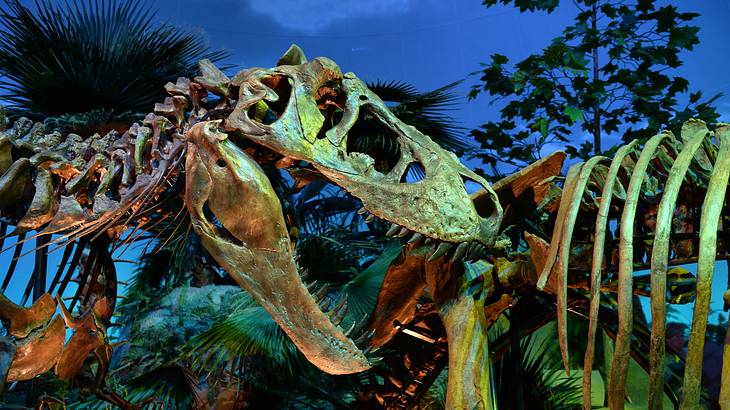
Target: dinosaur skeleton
x,y
203,150
204,147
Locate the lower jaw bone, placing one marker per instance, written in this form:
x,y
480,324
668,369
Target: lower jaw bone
x,y
262,262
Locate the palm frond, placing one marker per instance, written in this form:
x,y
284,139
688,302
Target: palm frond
x,y
394,91
362,291
435,397
334,255
87,55
248,332
171,386
325,211
427,111
541,375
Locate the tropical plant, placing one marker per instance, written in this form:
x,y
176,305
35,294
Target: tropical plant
x,y
91,60
609,72
427,111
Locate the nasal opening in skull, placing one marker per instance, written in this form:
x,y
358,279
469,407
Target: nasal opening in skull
x,y
370,136
220,229
415,172
331,103
265,111
483,201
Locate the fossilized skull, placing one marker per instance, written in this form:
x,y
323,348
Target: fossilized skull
x,y
308,98
307,111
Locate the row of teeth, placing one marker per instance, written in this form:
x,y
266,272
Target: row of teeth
x,y
336,312
464,251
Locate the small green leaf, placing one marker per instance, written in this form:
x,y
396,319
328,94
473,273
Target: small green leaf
x,y
542,125
518,78
499,59
575,114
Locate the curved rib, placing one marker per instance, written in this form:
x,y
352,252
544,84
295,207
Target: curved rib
x,y
598,248
693,133
570,180
620,365
711,210
573,205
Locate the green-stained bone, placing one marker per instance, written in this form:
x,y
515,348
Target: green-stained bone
x,y
609,188
711,211
693,133
620,365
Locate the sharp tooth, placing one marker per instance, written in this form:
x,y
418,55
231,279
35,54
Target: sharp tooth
x,y
340,311
341,304
361,210
348,332
357,326
460,251
364,338
325,305
322,292
393,230
403,232
312,286
370,218
416,238
440,251
304,274
474,251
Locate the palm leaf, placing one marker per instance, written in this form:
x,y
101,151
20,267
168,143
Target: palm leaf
x,y
103,55
394,91
171,385
427,111
541,376
250,331
362,291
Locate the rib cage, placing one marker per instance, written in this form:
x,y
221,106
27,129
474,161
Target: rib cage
x,y
694,164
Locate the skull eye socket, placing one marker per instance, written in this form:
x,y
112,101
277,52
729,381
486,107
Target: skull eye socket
x,y
267,112
331,103
220,229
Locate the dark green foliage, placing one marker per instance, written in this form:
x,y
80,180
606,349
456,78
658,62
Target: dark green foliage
x,y
169,385
334,256
427,111
608,74
91,55
249,331
541,375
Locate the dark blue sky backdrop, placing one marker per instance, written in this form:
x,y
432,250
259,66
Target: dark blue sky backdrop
x,y
427,43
